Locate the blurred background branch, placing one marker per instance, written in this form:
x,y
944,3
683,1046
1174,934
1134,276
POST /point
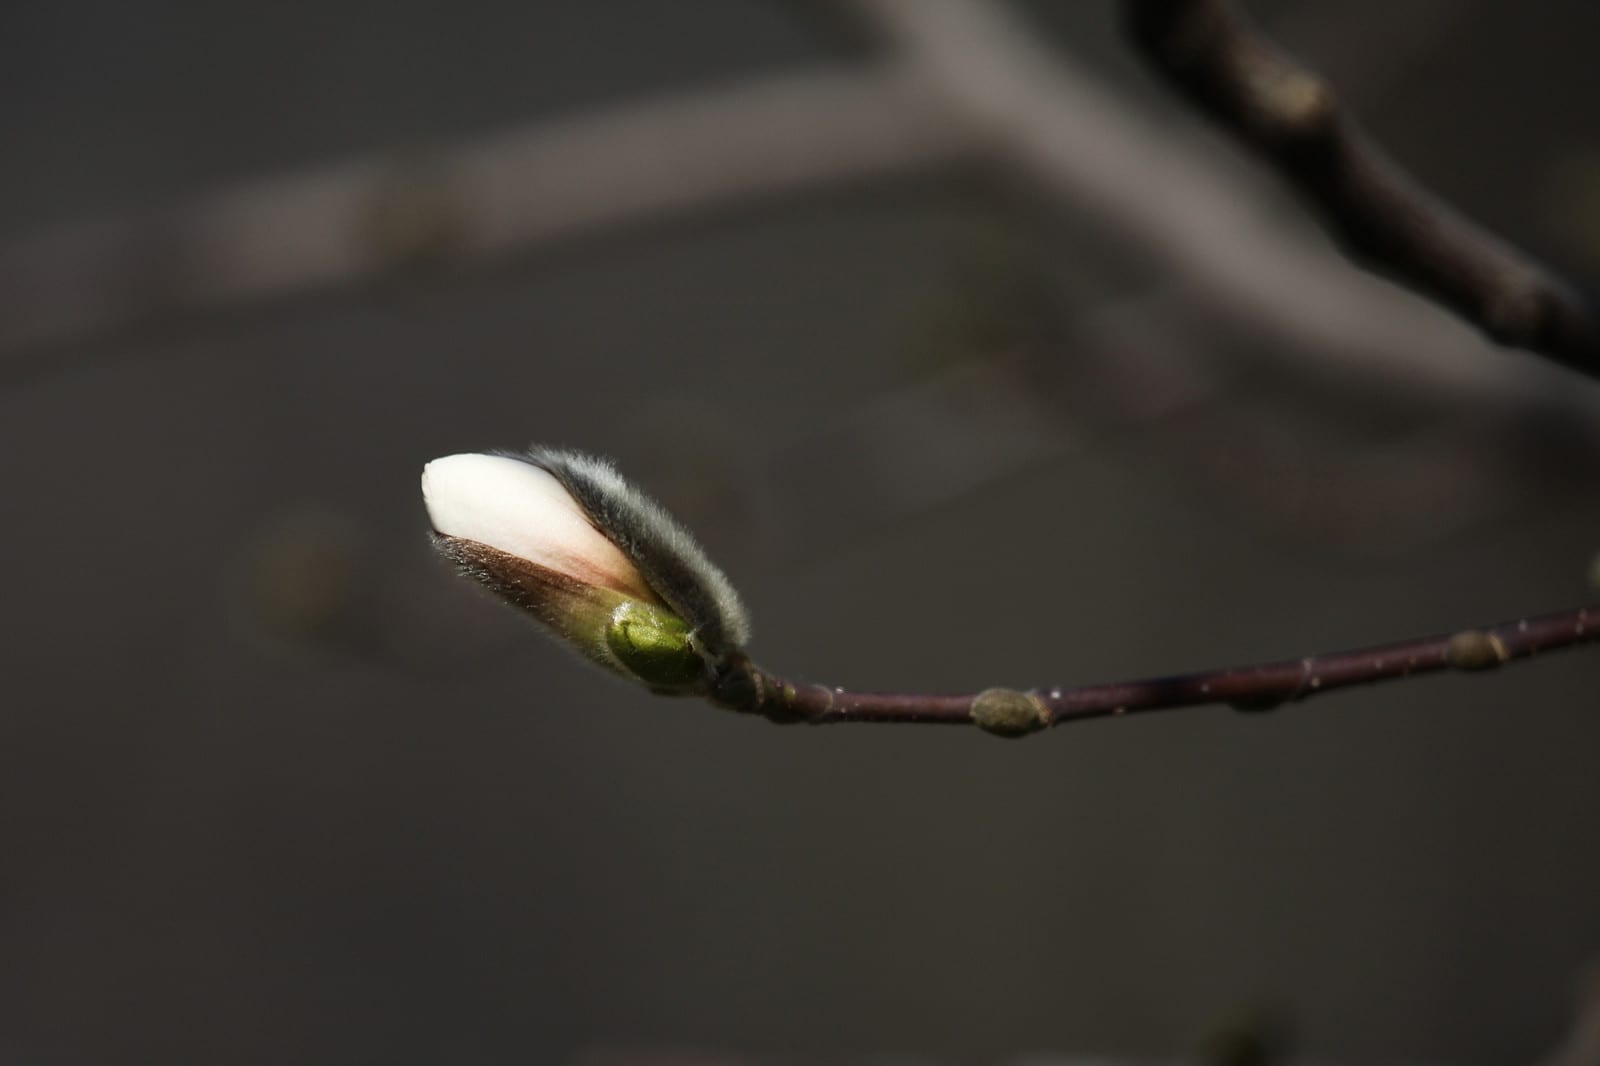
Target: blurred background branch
x,y
362,221
1213,54
961,80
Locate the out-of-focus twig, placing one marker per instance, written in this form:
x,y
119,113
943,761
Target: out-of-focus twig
x,y
1220,60
961,79
596,172
1041,118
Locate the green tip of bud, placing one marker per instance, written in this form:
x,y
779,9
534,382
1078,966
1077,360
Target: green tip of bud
x,y
655,646
1008,713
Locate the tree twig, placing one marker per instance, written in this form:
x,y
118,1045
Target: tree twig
x,y
478,201
1217,58
746,687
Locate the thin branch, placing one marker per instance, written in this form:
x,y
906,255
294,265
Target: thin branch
x,y
1216,57
746,687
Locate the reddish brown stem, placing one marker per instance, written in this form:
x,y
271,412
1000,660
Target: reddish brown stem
x,y
1213,54
745,687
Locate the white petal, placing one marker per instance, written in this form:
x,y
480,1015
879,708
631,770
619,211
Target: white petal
x,y
520,509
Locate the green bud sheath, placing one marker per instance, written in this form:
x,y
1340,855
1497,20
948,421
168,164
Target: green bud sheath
x,y
654,645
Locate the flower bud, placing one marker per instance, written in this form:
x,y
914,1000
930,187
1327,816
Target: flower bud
x,y
565,537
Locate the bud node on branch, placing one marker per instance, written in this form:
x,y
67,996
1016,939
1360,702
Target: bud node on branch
x,y
1473,649
1006,712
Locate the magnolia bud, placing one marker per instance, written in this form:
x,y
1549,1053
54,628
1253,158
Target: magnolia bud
x,y
563,536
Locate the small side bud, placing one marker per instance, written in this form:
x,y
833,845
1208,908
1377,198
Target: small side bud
x,y
654,645
1008,713
1474,649
1302,104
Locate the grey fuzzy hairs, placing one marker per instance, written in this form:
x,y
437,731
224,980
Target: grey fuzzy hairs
x,y
673,564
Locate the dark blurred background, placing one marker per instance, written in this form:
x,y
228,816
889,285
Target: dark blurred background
x,y
276,787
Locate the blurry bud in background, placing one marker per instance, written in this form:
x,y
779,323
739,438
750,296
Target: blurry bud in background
x,y
564,537
414,218
299,580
